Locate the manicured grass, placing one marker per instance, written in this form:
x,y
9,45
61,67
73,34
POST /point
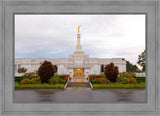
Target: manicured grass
x,y
39,86
120,86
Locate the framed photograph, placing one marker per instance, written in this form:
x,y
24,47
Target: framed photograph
x,y
79,57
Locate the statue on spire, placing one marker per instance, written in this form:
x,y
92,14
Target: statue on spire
x,y
78,28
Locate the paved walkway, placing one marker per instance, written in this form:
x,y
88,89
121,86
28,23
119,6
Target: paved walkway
x,y
79,95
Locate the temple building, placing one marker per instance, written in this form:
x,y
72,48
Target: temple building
x,y
77,65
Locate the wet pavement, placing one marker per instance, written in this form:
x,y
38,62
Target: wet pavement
x,y
79,95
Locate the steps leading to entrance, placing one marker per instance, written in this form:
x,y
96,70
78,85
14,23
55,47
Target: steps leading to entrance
x,y
78,84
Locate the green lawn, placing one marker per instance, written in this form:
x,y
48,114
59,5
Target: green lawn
x,y
120,86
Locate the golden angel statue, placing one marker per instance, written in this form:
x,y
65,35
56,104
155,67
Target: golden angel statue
x,y
78,28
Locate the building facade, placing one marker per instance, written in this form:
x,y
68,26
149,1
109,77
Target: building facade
x,y
76,65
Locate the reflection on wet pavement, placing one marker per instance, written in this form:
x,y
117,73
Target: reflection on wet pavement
x,y
79,95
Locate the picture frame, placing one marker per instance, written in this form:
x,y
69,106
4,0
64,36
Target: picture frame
x,y
11,7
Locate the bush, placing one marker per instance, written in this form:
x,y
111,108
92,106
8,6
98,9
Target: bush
x,y
26,81
95,81
39,86
30,75
120,86
127,74
62,81
62,76
56,80
100,81
46,71
111,72
140,79
18,79
125,80
35,80
103,81
96,76
22,70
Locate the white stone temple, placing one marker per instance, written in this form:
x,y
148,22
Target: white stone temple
x,y
76,65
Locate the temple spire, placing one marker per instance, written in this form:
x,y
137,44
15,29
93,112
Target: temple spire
x,y
78,47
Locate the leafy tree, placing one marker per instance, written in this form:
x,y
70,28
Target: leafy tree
x,y
22,70
111,72
46,71
141,60
131,68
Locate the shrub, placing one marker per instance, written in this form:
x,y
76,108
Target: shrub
x,y
91,78
66,78
30,75
132,81
95,81
26,81
100,81
120,86
128,74
103,81
140,79
45,71
62,81
96,76
22,70
54,80
122,80
35,80
62,76
111,72
18,79
125,80
39,86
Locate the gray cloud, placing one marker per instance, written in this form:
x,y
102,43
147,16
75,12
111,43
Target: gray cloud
x,y
102,36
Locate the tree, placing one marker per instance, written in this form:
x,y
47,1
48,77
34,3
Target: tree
x,y
111,72
22,70
131,68
141,60
46,71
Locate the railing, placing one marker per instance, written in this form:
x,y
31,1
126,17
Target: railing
x,y
66,84
140,74
91,85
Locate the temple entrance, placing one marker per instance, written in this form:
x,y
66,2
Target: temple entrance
x,y
78,72
78,75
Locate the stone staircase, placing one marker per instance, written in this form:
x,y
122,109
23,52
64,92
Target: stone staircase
x,y
79,84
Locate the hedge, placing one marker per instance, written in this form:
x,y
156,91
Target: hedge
x,y
18,79
39,86
140,79
120,86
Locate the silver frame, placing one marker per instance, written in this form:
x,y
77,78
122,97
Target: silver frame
x,y
10,7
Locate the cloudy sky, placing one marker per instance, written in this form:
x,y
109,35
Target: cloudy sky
x,y
102,36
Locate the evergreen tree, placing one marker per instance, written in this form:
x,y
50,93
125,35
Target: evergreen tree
x,y
111,72
46,71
